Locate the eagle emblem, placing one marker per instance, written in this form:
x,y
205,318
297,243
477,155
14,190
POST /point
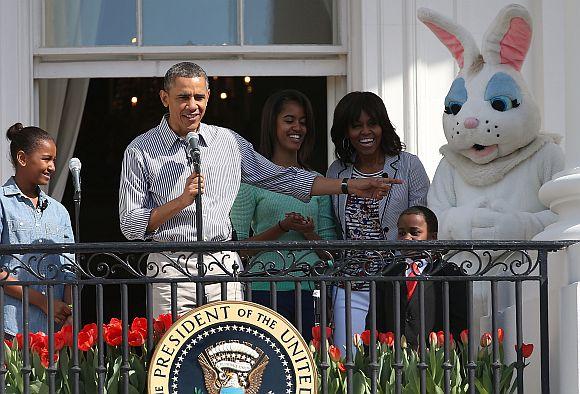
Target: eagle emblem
x,y
233,367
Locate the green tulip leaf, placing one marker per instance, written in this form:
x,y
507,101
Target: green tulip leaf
x,y
133,390
506,378
480,388
11,390
113,382
360,384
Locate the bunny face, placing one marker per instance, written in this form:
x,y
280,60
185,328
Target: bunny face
x,y
489,114
489,111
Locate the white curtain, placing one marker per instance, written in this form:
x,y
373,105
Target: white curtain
x,y
62,102
70,23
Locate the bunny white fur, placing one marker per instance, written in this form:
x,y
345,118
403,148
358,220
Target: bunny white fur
x,y
486,186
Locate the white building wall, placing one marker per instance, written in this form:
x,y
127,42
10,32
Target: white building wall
x,y
16,83
397,57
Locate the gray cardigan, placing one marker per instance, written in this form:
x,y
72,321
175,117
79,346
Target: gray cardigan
x,y
413,190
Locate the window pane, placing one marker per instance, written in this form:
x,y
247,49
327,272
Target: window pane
x,y
288,21
73,23
186,22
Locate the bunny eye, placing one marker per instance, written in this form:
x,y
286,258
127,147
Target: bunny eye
x,y
453,107
503,103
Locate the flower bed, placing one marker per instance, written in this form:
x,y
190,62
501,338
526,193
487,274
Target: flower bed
x,y
336,373
88,357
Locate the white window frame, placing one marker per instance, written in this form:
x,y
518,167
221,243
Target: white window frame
x,y
153,61
328,61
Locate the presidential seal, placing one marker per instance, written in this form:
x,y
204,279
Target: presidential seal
x,y
232,347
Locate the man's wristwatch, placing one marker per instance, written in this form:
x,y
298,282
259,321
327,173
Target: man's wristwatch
x,y
344,186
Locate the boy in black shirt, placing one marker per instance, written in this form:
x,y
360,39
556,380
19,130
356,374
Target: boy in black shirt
x,y
419,223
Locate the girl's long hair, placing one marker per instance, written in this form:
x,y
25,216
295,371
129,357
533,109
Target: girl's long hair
x,y
270,112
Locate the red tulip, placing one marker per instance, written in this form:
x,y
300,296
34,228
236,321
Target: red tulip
x,y
8,343
315,344
59,341
433,339
38,341
136,338
113,334
140,324
66,333
19,341
440,338
85,340
316,333
464,336
365,336
91,329
334,353
387,337
527,349
341,367
500,335
485,340
44,360
162,323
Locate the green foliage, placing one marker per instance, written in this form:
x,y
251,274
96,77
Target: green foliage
x,y
88,362
336,376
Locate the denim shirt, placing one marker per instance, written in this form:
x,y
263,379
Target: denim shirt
x,y
22,223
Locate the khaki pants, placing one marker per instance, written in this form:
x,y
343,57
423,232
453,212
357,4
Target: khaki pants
x,y
186,294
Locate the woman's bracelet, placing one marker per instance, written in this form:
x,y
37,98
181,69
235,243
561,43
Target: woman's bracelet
x,y
281,228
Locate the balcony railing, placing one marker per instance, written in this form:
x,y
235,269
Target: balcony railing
x,y
124,264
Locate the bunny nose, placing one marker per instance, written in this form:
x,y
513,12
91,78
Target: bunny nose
x,y
471,123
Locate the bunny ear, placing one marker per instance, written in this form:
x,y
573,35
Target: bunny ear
x,y
458,40
508,38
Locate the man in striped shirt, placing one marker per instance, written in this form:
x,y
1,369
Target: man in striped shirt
x,y
158,185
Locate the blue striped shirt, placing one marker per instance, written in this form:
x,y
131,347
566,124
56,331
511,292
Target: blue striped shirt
x,y
156,166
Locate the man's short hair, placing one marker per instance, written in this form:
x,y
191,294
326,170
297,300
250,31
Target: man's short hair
x,y
429,215
184,70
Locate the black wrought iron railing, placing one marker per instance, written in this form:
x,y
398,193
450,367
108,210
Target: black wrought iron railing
x,y
345,264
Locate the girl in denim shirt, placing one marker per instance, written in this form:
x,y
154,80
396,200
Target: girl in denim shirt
x,y
29,216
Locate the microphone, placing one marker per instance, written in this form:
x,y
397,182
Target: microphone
x,y
74,165
193,142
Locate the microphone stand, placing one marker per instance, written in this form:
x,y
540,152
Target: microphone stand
x,y
77,201
199,288
76,288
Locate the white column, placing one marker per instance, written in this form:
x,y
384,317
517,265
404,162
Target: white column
x,y
335,90
572,54
16,78
562,195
